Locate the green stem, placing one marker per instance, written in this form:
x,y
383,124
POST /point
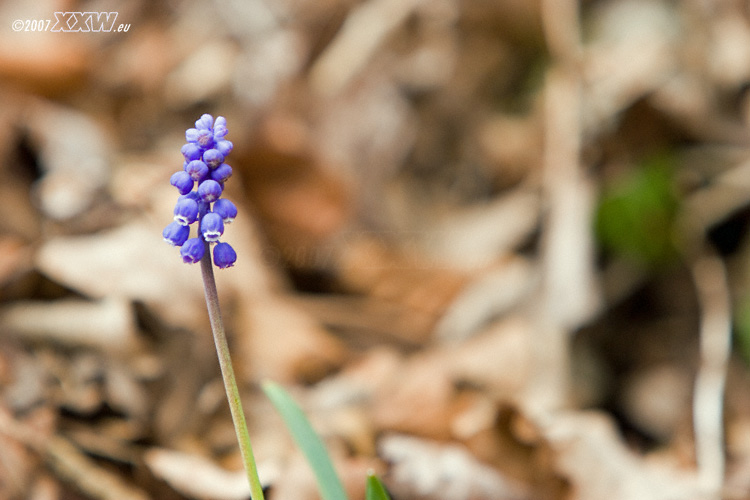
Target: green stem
x,y
227,374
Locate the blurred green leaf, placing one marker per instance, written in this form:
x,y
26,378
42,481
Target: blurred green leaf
x,y
636,216
308,440
375,489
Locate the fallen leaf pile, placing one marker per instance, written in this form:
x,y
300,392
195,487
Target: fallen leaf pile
x,y
495,249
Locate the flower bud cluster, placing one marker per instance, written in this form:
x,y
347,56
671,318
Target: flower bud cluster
x,y
200,184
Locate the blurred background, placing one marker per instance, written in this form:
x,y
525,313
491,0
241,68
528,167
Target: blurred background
x,y
495,249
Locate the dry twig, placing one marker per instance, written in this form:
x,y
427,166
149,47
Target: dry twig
x,y
711,285
567,253
70,464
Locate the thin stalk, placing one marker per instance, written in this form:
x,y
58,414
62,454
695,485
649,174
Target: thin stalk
x,y
227,374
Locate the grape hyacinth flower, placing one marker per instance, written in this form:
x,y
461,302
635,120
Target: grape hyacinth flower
x,y
201,184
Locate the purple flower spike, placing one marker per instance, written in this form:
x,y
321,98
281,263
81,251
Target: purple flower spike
x,y
212,227
220,129
213,158
192,251
205,122
182,181
201,137
226,209
220,132
222,173
201,184
224,255
186,211
209,191
176,234
225,147
193,195
197,170
192,135
191,151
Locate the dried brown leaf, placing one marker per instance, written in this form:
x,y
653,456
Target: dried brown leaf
x,y
197,476
589,452
107,324
423,469
281,342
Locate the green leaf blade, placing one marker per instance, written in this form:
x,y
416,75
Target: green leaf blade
x,y
308,441
375,489
637,215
